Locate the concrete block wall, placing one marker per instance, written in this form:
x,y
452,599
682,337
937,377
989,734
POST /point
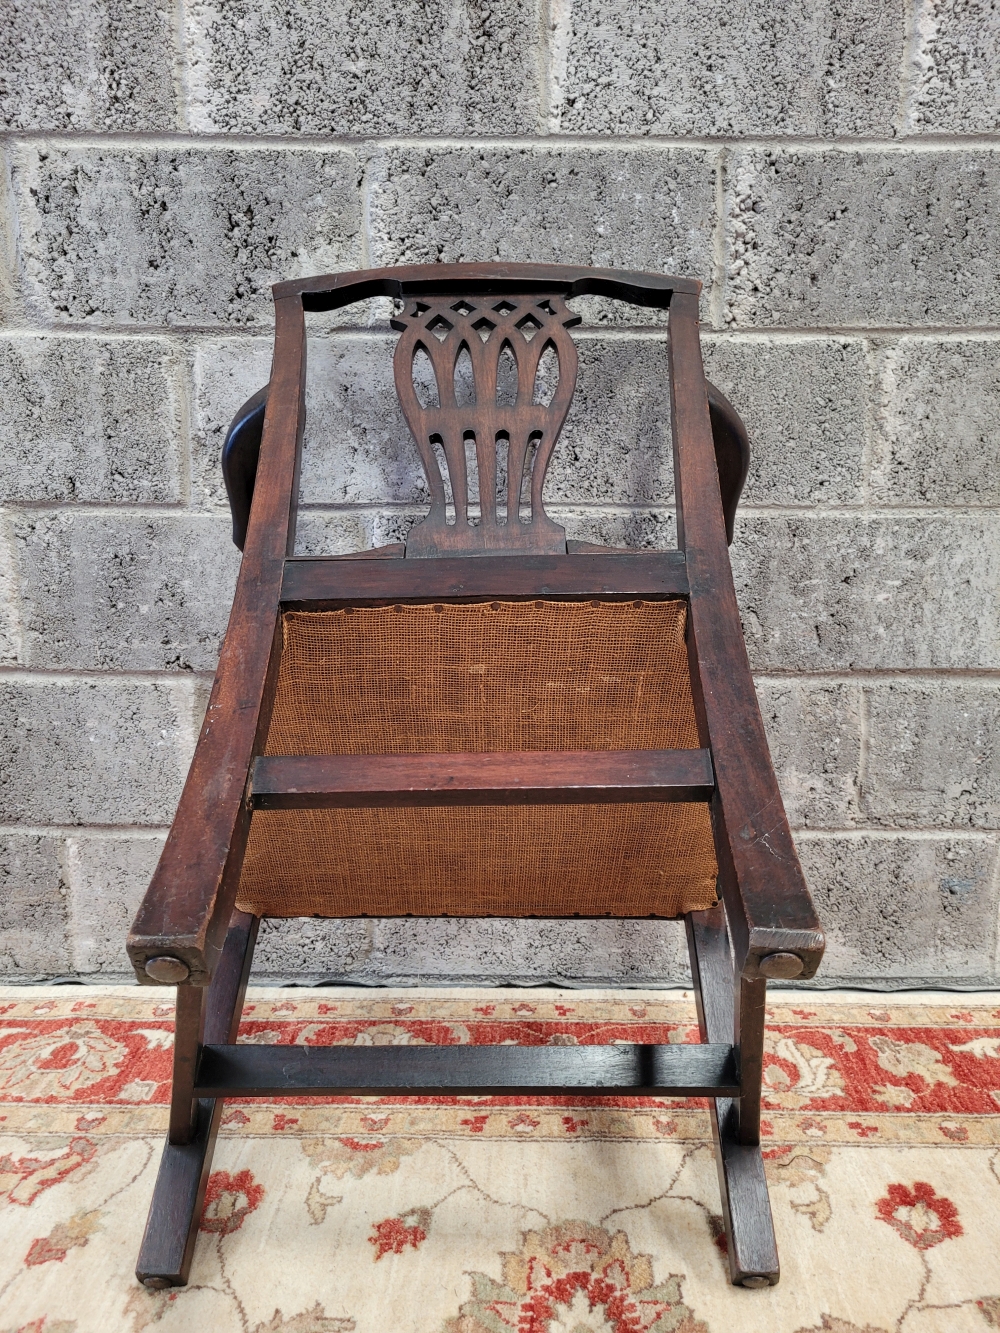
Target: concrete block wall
x,y
829,168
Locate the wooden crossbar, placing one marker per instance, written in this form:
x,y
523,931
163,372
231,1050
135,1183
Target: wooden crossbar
x,y
533,777
310,583
482,1071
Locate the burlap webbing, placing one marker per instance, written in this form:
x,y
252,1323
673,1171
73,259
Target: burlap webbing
x,y
496,676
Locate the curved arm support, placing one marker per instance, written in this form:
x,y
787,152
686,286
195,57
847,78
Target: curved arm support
x,y
240,455
768,907
732,453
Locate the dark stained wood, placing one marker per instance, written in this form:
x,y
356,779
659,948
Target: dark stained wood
x,y
187,907
751,1001
746,1208
711,973
178,1197
179,1193
229,984
751,1249
767,903
533,777
482,331
332,291
189,1028
321,583
482,1071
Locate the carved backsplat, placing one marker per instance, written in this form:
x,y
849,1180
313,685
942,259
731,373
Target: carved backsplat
x,y
475,375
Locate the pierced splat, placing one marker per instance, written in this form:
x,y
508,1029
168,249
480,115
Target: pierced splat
x,y
505,372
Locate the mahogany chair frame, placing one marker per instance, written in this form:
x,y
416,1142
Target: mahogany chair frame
x,y
189,934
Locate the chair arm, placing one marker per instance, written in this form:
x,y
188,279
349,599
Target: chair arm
x,y
767,902
185,913
772,920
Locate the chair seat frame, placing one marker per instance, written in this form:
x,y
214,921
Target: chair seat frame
x,y
188,931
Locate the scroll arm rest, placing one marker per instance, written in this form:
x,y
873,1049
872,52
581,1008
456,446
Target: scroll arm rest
x,y
732,453
240,455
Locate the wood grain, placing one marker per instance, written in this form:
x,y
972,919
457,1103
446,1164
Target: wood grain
x,y
332,291
175,1210
767,902
318,583
534,777
482,1071
751,1248
189,902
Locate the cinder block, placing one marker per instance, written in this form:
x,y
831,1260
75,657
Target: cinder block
x,y
357,448
11,637
904,910
91,65
392,525
307,950
803,402
822,592
614,447
638,529
638,208
955,71
862,238
93,751
505,951
89,419
933,753
126,591
804,405
108,876
712,67
814,733
338,68
175,235
34,938
937,407
321,532
225,372
324,533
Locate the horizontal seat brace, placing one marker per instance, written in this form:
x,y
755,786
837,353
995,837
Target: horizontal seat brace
x,y
318,582
625,1070
529,777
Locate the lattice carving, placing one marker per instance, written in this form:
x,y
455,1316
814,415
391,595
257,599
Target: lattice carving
x,y
485,380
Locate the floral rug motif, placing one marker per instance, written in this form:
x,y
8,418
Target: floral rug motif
x,y
506,1215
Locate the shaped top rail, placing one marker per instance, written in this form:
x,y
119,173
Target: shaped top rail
x,y
331,291
467,328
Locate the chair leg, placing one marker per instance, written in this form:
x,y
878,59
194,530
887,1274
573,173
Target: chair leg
x,y
212,1016
727,1013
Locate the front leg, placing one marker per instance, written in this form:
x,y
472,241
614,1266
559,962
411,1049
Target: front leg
x,y
202,1016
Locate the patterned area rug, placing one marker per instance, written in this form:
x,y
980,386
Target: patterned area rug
x,y
503,1215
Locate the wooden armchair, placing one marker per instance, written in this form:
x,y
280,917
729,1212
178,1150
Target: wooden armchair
x,y
483,721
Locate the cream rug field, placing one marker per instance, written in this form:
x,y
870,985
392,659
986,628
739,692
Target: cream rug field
x,y
499,1215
